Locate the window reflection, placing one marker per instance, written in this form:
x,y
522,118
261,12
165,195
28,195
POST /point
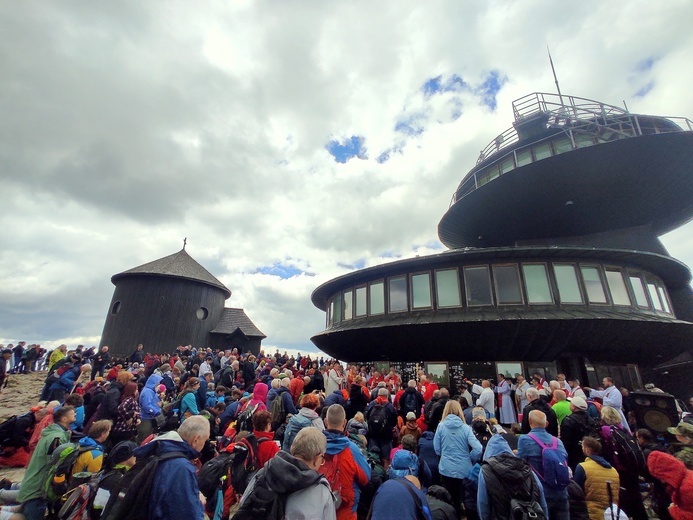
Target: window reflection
x,y
447,288
376,295
398,294
478,286
593,285
568,287
537,283
507,279
421,290
617,286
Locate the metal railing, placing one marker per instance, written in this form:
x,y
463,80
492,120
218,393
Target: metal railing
x,y
584,122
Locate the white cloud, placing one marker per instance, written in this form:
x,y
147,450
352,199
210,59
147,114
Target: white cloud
x,y
129,126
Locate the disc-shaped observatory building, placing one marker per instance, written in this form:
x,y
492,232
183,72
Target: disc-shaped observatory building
x,y
174,301
555,264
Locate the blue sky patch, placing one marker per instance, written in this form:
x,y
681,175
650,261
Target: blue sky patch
x,y
490,87
432,86
342,151
644,90
359,264
645,64
410,125
283,271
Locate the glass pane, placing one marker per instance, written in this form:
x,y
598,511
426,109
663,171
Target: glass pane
x,y
360,301
663,298
524,156
542,151
593,284
478,286
562,146
377,298
568,288
652,289
508,164
507,284
330,313
448,288
398,294
619,293
537,283
639,291
338,309
421,289
347,303
582,140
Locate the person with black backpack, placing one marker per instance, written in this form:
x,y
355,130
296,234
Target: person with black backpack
x,y
290,485
163,483
411,400
576,426
508,484
381,418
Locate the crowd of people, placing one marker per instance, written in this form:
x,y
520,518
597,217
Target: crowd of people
x,y
295,437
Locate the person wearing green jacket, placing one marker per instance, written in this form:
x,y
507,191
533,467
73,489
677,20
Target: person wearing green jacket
x,y
32,492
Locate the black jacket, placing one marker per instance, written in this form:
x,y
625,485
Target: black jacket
x,y
109,406
517,482
405,397
540,404
573,429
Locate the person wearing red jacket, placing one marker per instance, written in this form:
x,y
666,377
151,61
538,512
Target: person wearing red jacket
x,y
679,481
266,447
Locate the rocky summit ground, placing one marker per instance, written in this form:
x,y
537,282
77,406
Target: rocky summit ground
x,y
22,392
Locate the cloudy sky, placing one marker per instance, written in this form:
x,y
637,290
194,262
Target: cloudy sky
x,y
289,141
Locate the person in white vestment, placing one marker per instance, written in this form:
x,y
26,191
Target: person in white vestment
x,y
507,410
611,396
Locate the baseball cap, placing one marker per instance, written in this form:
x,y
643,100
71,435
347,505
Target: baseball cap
x,y
7,351
649,386
579,402
683,428
411,416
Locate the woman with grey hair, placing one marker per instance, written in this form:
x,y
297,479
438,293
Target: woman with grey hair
x,y
296,477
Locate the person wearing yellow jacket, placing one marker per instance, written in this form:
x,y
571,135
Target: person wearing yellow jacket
x,y
593,475
58,354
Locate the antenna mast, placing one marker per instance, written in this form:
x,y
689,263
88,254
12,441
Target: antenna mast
x,y
554,76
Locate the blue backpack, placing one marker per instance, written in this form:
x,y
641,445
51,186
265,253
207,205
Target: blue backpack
x,y
404,463
555,472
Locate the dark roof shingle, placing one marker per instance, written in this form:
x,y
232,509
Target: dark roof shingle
x,y
178,265
234,319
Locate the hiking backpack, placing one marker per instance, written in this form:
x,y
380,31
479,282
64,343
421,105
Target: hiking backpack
x,y
278,412
245,419
16,431
130,499
79,501
60,467
377,422
262,503
331,471
421,511
555,472
410,403
245,463
627,454
214,476
523,505
409,462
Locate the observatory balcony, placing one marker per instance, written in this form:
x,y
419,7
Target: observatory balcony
x,y
547,125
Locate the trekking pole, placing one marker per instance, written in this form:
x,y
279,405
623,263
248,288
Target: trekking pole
x,y
611,499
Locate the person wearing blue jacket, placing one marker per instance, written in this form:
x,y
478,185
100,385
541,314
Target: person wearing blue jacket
x,y
458,449
65,384
150,408
515,470
175,493
531,451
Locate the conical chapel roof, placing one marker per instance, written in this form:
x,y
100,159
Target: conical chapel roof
x,y
177,265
